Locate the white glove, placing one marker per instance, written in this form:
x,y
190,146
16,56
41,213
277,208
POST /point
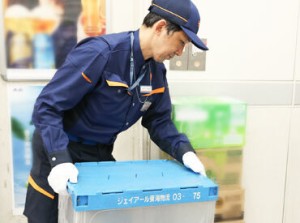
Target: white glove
x,y
60,175
190,160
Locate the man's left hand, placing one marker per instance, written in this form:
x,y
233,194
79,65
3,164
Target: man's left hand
x,y
190,160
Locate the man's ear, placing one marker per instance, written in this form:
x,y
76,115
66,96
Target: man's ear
x,y
160,25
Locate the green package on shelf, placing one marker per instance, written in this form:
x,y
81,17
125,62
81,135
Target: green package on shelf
x,y
211,122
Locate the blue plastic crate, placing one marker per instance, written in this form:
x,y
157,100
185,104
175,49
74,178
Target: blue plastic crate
x,y
127,184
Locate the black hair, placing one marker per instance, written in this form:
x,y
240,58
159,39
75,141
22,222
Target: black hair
x,y
151,18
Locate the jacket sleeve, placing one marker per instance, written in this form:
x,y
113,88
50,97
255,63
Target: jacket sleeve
x,y
162,130
77,76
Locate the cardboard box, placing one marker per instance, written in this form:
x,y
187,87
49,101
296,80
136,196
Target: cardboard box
x,y
230,204
234,221
138,191
210,122
224,166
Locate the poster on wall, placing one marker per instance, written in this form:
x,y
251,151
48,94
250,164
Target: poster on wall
x,y
21,102
38,34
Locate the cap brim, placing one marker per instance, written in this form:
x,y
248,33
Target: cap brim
x,y
194,39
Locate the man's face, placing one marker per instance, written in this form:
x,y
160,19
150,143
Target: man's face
x,y
167,45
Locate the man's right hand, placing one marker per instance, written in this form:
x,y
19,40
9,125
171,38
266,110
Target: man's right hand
x,y
60,175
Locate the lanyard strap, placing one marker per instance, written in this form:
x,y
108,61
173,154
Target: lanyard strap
x,y
144,70
131,58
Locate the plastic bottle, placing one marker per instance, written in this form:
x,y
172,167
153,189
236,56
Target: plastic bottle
x,y
44,20
20,53
17,19
18,33
43,51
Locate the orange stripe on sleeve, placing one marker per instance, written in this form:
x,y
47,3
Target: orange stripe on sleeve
x,y
86,78
39,189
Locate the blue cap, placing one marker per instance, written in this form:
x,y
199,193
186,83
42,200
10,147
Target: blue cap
x,y
183,13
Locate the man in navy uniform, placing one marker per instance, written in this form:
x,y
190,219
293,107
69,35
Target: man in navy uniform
x,y
106,84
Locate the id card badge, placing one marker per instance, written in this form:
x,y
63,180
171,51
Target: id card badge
x,y
145,89
145,106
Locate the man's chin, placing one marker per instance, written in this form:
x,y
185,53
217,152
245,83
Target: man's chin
x,y
160,60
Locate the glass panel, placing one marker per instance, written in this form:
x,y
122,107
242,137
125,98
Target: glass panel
x,y
38,34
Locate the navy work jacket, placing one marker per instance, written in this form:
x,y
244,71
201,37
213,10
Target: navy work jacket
x,y
88,98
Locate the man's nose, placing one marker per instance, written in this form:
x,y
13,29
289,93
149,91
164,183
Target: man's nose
x,y
180,51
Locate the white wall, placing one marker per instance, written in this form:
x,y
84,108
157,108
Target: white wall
x,y
292,195
254,56
265,161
